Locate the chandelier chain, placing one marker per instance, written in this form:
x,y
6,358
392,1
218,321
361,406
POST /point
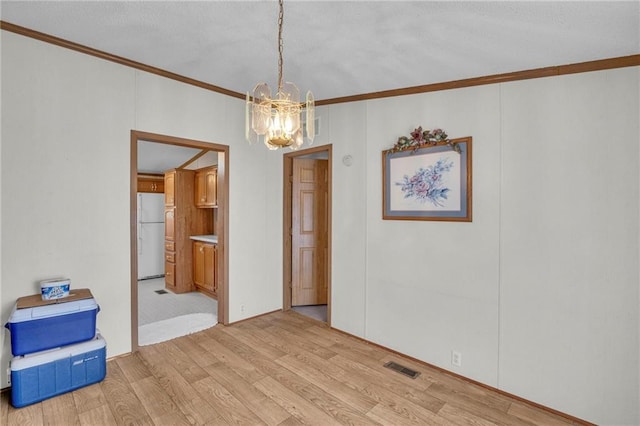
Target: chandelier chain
x,y
280,44
278,117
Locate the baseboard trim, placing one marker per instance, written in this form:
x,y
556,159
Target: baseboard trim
x,y
517,398
253,317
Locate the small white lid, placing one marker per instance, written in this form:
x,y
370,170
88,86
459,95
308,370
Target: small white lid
x,y
55,281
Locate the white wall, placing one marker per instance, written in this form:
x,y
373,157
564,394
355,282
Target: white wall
x,y
65,180
254,242
539,293
2,334
441,276
349,216
569,243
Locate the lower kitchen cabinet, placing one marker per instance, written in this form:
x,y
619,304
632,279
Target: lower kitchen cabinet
x,y
170,275
204,267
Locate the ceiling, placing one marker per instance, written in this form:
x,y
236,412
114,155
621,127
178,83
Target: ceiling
x,y
340,48
335,48
156,158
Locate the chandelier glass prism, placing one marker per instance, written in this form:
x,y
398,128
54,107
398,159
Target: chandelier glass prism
x,y
278,120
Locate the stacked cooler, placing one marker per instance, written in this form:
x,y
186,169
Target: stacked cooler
x,y
55,345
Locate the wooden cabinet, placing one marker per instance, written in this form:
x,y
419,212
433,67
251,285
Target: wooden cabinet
x,y
204,267
210,267
170,275
150,183
169,224
198,263
182,220
206,192
170,188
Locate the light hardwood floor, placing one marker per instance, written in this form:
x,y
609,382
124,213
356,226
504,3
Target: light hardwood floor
x,y
279,369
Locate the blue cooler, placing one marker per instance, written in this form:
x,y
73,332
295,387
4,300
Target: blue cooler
x,y
37,325
41,375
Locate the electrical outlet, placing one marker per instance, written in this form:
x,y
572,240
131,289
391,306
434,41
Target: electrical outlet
x,y
242,309
8,375
456,358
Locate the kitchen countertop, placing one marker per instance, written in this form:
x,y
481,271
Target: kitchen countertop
x,y
211,239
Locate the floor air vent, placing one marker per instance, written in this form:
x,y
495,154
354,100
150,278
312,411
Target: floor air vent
x,y
402,369
161,291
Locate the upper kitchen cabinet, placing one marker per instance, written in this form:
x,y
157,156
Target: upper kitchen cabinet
x,y
206,187
170,188
151,183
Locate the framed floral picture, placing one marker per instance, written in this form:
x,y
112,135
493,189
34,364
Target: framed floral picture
x,y
431,182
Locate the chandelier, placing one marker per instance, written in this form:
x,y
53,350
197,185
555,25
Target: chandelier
x,y
278,119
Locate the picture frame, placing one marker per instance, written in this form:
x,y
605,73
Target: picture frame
x,y
431,182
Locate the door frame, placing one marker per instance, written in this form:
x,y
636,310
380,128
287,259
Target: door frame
x,y
287,220
223,220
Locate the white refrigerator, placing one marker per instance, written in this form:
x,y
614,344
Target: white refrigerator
x,y
150,235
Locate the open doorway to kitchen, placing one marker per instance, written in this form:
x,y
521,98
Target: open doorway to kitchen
x,y
307,232
183,278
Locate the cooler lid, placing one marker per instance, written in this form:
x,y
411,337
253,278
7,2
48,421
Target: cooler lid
x,y
36,299
39,358
49,311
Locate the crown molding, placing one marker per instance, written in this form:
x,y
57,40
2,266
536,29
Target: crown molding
x,y
114,58
603,64
598,65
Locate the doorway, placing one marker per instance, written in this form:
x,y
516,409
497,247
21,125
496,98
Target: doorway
x,y
307,232
169,143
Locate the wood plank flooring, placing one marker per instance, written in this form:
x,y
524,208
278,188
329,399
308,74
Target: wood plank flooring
x,y
279,369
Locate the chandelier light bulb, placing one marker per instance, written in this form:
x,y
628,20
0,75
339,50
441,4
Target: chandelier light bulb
x,y
288,125
276,122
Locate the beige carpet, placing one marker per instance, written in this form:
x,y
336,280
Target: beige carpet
x,y
161,331
154,307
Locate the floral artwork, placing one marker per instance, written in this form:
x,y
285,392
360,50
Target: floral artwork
x,y
427,184
427,179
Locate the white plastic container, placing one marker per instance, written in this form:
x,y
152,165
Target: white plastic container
x,y
55,289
